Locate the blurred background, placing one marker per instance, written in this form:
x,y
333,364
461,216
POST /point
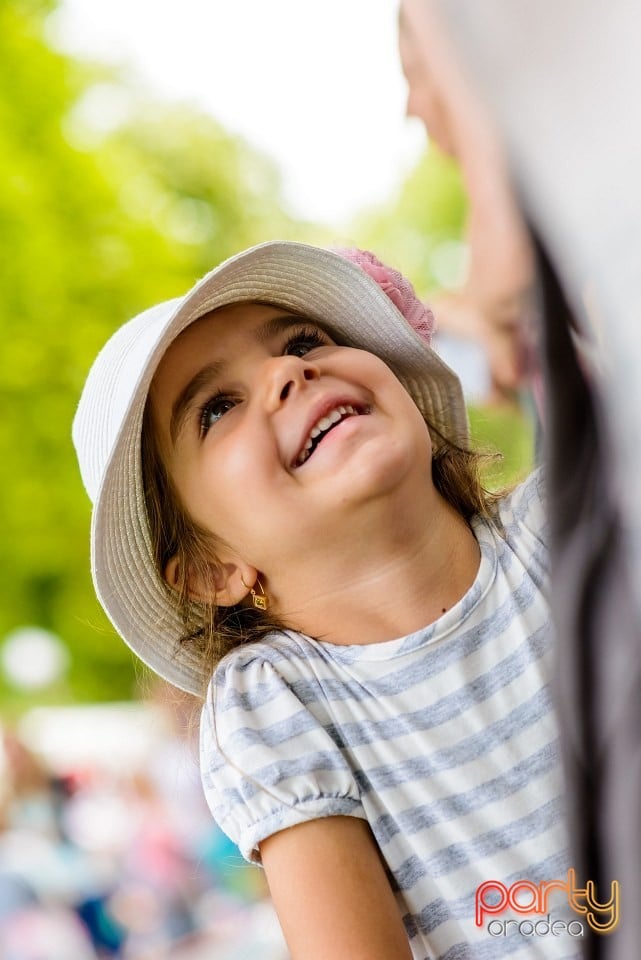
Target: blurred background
x,y
140,144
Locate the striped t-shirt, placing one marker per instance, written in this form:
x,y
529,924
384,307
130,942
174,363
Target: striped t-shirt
x,y
444,741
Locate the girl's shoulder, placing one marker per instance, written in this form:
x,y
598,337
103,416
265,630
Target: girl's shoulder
x,y
272,653
520,523
261,676
524,509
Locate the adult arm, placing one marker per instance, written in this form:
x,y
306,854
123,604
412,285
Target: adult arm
x,y
331,892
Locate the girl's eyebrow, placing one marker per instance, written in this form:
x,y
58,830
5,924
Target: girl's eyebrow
x,y
209,373
275,325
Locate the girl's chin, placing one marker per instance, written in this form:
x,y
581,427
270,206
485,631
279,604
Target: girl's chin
x,y
359,451
376,477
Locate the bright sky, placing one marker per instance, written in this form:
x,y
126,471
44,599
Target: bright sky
x,y
316,86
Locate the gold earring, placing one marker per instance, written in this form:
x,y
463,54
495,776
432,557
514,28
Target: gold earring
x,y
260,600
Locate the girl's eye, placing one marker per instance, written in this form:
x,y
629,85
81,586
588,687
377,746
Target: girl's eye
x,y
305,340
213,410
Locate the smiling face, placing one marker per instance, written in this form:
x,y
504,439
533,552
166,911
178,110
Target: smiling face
x,y
278,440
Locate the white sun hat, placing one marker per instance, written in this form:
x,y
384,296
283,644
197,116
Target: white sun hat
x,y
350,293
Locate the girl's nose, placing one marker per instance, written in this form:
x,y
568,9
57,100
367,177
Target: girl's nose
x,y
283,376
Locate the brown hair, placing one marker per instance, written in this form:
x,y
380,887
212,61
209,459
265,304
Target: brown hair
x,y
215,630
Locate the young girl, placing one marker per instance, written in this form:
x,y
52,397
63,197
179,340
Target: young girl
x,y
287,516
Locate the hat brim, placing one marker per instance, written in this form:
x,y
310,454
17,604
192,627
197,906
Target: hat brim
x,y
316,283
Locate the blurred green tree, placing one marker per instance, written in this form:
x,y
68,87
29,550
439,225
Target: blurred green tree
x,y
96,223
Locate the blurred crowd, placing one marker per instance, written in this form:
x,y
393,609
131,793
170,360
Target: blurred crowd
x,y
104,861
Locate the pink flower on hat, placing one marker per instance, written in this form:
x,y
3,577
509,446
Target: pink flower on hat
x,y
397,287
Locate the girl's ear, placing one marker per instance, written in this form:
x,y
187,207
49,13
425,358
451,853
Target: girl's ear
x,y
221,583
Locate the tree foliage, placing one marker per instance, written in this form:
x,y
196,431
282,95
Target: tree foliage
x,y
93,229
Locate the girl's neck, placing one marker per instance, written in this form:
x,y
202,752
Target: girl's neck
x,y
393,583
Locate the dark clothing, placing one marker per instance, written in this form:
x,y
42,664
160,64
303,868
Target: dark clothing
x,y
561,81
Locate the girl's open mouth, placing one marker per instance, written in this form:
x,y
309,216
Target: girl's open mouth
x,y
323,426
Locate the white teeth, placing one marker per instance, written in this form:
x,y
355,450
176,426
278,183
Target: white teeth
x,y
323,424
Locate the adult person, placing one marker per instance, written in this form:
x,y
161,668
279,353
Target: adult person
x,y
561,81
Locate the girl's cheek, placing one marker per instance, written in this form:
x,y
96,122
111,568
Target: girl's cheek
x,y
240,453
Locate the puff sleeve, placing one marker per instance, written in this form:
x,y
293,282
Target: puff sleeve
x,y
268,759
